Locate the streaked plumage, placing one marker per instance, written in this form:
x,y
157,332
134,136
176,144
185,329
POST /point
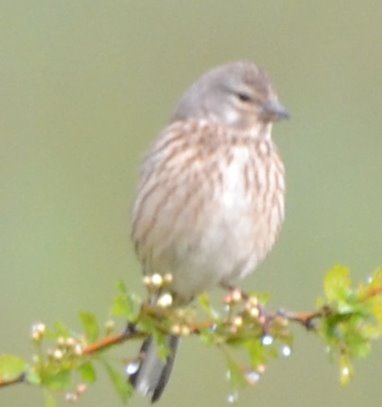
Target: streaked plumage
x,y
210,201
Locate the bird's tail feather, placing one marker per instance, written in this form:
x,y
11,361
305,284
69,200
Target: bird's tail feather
x,y
153,373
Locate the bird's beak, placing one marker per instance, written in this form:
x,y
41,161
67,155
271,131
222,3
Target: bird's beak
x,y
273,111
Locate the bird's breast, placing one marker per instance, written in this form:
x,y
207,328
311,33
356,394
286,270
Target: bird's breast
x,y
208,218
248,203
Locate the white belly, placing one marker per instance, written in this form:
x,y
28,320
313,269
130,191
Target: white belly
x,y
225,239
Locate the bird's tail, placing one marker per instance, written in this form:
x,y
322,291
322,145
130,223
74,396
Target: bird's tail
x,y
153,373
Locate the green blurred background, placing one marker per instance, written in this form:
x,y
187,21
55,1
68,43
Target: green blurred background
x,y
86,85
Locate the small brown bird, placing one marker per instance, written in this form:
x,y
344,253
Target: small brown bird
x,y
210,200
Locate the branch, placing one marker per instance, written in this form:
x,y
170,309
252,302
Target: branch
x,y
112,340
347,320
17,380
131,332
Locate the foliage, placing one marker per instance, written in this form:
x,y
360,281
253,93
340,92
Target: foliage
x,y
347,318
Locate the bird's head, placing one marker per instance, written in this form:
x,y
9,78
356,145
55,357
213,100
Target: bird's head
x,y
239,95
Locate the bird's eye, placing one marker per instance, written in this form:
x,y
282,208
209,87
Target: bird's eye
x,y
244,97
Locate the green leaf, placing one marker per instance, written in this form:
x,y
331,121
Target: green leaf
x,y
11,367
121,384
125,304
163,348
337,284
210,337
235,373
376,279
204,302
88,373
49,400
60,329
256,352
32,377
90,325
60,380
371,295
263,298
121,287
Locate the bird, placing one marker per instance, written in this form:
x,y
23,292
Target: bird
x,y
211,194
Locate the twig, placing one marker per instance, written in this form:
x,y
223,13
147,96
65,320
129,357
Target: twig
x,y
112,340
306,319
98,346
17,380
